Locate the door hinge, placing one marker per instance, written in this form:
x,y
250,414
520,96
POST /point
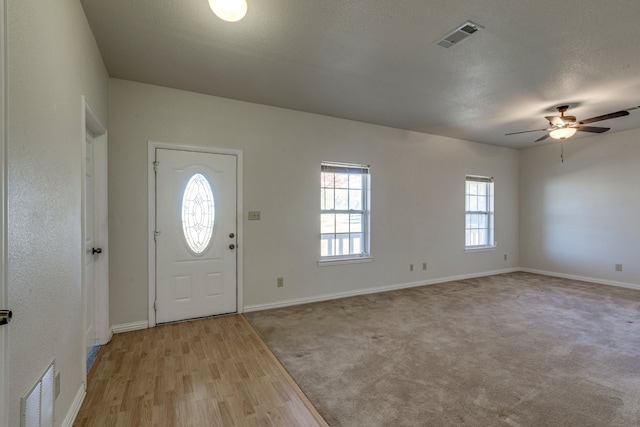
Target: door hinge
x,y
155,235
155,306
155,166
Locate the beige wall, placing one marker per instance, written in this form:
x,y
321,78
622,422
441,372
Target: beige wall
x,y
53,61
417,195
581,217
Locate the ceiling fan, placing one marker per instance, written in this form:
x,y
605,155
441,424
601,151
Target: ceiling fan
x,y
563,127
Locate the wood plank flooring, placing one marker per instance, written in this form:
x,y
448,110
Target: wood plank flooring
x,y
210,372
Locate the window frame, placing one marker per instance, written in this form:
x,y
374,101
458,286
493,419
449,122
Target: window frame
x,y
489,212
365,172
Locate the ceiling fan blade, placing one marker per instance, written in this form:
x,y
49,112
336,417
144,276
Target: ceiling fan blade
x,y
620,113
542,138
594,129
555,120
526,131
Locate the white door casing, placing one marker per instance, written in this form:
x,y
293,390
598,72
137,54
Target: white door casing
x,y
195,281
95,288
4,300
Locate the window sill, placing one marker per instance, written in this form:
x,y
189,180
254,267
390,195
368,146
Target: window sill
x,y
343,261
481,249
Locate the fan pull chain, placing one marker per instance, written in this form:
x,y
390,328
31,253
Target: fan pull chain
x,y
562,152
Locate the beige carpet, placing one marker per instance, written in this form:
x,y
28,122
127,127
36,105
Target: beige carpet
x,y
510,350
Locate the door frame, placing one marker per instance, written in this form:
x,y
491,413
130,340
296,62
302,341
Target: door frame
x,y
153,145
4,295
91,125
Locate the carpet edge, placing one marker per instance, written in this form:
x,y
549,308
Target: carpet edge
x,y
582,278
374,290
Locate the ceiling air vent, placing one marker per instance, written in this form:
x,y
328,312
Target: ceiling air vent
x,y
459,34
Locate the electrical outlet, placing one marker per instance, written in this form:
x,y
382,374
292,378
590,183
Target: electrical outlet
x,y
505,257
424,265
410,267
280,282
254,215
57,385
618,267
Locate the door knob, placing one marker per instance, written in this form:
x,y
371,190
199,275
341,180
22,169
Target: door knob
x,y
5,316
232,246
232,235
96,251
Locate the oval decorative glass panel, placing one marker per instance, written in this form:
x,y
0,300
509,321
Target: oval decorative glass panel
x,y
198,213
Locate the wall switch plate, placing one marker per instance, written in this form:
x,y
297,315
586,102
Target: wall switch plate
x,y
254,215
410,267
424,265
618,267
280,282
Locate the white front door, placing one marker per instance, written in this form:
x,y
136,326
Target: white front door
x,y
195,235
89,245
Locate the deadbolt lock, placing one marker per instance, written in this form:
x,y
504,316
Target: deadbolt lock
x,y
232,235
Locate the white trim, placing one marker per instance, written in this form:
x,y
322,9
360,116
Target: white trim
x,y
151,225
583,279
472,249
338,295
128,327
75,406
4,299
90,124
339,261
91,120
151,209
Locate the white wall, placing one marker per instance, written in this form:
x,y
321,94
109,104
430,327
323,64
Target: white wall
x,y
417,194
581,217
53,61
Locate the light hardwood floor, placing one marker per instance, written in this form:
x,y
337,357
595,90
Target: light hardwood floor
x,y
210,372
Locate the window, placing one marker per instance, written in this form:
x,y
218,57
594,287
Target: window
x,y
344,211
479,212
198,213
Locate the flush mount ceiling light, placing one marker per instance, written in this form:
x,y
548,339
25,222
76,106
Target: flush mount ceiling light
x,y
229,10
563,133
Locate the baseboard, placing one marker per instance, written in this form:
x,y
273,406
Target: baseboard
x,y
582,278
128,327
144,324
75,407
338,295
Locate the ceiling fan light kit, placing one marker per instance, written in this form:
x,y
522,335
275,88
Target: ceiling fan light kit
x,y
563,127
563,133
229,10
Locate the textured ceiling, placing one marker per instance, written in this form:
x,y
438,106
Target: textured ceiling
x,y
376,62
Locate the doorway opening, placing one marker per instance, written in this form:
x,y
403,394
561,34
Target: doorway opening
x,y
95,261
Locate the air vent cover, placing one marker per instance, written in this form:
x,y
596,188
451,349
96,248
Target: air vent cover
x,y
459,34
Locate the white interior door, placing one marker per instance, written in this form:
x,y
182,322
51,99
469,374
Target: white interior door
x,y
195,235
89,245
